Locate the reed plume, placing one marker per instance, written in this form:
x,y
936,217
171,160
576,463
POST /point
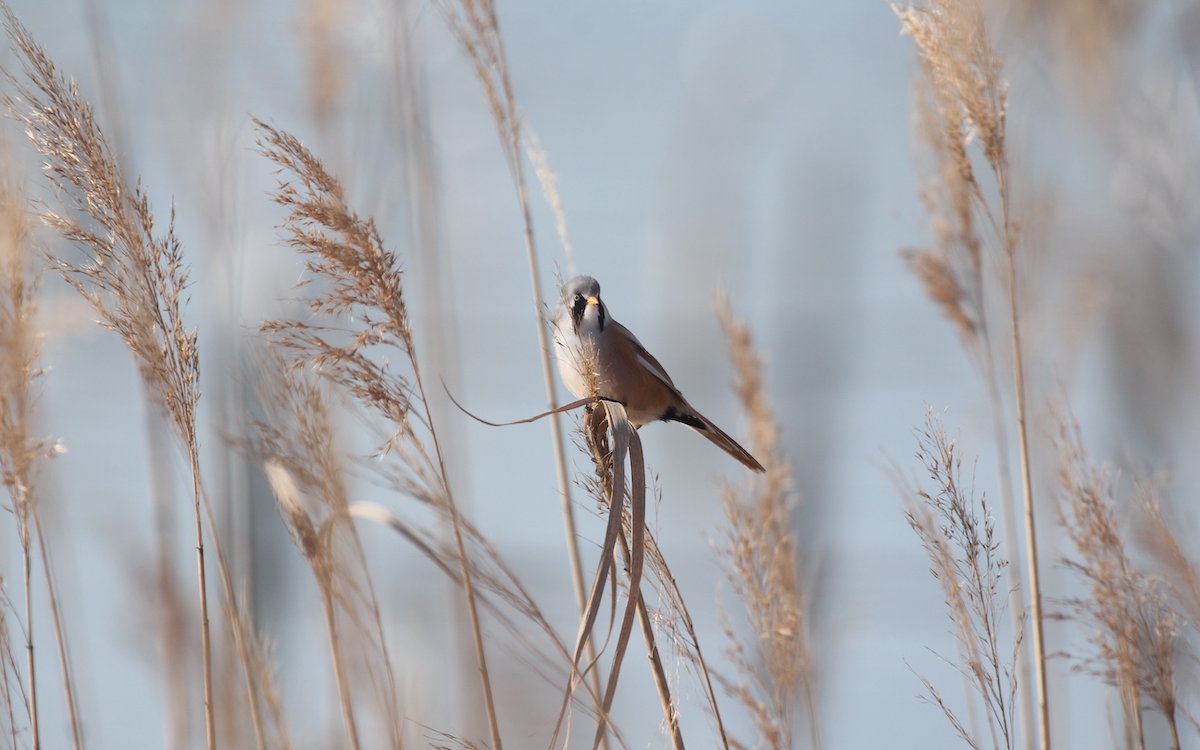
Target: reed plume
x,y
962,105
295,439
21,453
363,311
958,533
593,437
133,275
1135,628
475,25
776,678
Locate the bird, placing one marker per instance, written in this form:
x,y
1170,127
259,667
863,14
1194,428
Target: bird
x,y
622,370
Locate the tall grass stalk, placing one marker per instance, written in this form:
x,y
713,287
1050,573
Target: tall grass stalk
x,y
296,441
957,532
954,277
776,677
10,674
134,278
1031,560
594,431
962,73
312,537
366,295
661,685
475,25
20,451
1136,630
672,616
60,639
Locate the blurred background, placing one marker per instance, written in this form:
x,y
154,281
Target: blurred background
x,y
764,149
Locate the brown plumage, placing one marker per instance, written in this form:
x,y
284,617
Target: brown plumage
x,y
599,356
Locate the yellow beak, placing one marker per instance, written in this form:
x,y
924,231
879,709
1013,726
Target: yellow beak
x,y
593,300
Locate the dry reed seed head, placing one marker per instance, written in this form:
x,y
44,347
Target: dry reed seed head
x,y
549,184
589,366
954,49
1136,630
951,193
20,451
764,430
957,532
134,278
287,497
942,285
1161,542
960,100
759,554
361,281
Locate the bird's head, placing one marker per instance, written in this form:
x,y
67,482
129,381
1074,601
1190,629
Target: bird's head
x,y
581,299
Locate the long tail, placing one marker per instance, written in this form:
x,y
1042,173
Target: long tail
x,y
701,424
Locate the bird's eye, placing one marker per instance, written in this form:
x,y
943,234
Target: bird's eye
x,y
577,298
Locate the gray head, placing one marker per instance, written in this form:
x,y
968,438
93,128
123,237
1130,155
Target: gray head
x,y
585,286
581,298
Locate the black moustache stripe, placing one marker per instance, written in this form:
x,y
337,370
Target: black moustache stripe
x,y
580,307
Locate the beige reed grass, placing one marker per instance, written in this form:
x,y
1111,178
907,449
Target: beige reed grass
x,y
10,674
20,452
962,73
475,25
296,441
758,551
1136,635
365,293
594,434
134,277
312,538
957,531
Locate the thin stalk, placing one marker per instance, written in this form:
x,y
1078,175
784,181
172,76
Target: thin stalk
x,y
64,659
464,564
656,666
1035,589
479,33
814,725
556,432
393,696
335,657
492,68
5,663
421,183
557,438
205,642
987,364
512,144
667,578
26,566
1012,545
237,626
1136,710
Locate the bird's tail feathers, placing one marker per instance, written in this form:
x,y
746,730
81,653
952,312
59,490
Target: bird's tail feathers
x,y
716,435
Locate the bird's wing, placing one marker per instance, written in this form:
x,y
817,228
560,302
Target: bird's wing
x,y
645,358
